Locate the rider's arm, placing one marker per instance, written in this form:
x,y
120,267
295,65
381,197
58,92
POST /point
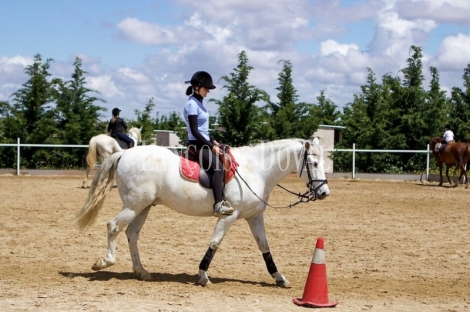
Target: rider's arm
x,y
109,127
123,123
195,131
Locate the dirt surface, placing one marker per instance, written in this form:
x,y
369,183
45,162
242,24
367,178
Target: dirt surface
x,y
389,246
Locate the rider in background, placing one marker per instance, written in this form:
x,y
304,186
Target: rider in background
x,y
116,128
196,117
448,136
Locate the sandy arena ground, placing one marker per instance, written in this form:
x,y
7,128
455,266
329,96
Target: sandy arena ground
x,y
389,245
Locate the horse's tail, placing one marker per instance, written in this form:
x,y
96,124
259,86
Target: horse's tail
x,y
100,187
91,156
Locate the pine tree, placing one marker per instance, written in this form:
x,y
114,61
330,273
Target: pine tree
x,y
77,116
283,113
146,123
327,110
239,114
30,117
459,112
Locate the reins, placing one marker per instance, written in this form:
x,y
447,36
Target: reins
x,y
309,195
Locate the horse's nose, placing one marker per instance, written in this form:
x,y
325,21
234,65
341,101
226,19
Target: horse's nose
x,y
323,192
322,195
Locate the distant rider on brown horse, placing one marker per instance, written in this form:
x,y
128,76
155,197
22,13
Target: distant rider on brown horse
x,y
447,138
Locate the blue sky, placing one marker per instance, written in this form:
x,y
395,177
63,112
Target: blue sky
x,y
137,50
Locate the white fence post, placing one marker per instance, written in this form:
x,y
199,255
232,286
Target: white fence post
x,y
18,157
354,161
427,163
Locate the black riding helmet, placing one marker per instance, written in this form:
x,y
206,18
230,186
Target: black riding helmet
x,y
447,126
116,111
201,79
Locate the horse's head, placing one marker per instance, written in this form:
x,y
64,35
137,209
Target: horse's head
x,y
434,141
136,133
313,169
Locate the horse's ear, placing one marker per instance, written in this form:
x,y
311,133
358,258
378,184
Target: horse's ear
x,y
140,129
316,141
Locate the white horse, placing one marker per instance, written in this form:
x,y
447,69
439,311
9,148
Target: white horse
x,y
150,175
102,146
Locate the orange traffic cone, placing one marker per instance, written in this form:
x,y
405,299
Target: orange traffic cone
x,y
316,288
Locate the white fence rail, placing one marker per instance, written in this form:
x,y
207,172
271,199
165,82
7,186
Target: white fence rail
x,y
18,146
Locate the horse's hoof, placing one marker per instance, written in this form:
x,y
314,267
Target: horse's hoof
x,y
101,264
281,281
203,282
146,277
203,278
283,284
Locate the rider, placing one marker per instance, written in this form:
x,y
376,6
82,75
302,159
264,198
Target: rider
x,y
196,117
448,136
116,128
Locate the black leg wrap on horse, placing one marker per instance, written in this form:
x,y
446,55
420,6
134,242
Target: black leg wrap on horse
x,y
269,263
206,261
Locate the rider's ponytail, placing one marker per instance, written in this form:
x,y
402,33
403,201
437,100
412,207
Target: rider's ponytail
x,y
189,90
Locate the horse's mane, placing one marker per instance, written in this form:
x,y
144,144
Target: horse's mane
x,y
277,144
434,141
137,132
281,142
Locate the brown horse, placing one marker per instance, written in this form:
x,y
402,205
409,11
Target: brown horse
x,y
454,154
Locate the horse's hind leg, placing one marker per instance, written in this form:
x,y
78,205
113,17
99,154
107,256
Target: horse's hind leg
x,y
257,228
114,227
132,233
221,228
85,179
447,175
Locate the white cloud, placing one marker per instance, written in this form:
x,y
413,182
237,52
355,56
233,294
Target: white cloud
x,y
143,32
443,11
454,53
210,37
132,76
12,68
105,85
331,46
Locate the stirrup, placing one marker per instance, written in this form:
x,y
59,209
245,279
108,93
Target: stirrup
x,y
222,208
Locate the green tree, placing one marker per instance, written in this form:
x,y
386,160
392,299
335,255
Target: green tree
x,y
283,114
30,116
288,118
173,122
460,109
367,122
77,118
238,113
327,111
145,121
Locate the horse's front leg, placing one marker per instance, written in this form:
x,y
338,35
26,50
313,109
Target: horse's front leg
x,y
132,233
221,228
257,229
440,173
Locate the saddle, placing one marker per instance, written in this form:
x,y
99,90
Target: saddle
x,y
121,143
192,171
440,147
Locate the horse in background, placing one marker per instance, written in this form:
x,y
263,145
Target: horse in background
x,y
150,175
457,153
102,146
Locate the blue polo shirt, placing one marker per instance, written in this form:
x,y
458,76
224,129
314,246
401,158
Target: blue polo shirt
x,y
195,107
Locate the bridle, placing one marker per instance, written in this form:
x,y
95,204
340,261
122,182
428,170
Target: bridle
x,y
133,136
308,196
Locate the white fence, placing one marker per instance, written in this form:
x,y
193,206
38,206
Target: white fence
x,y
18,146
